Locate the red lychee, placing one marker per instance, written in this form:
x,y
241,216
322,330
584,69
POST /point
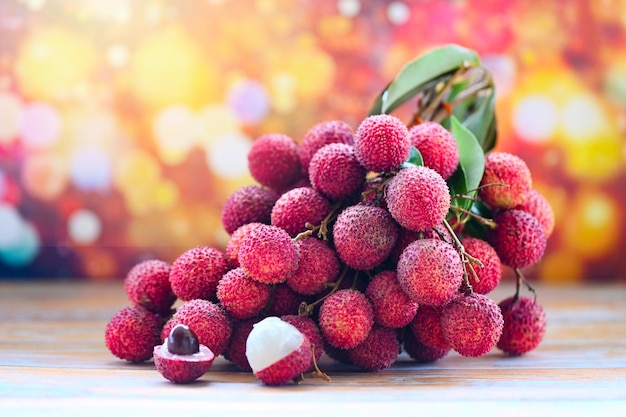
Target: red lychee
x,y
392,307
438,147
132,333
378,351
518,238
268,255
524,325
490,273
381,143
274,162
309,328
241,296
430,272
232,247
472,324
236,350
297,207
346,318
506,180
336,172
196,272
418,198
284,301
317,267
148,284
364,236
426,326
537,205
248,204
322,134
420,352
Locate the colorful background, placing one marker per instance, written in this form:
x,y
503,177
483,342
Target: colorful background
x,y
125,124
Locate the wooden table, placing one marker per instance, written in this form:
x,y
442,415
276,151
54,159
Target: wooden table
x,y
53,362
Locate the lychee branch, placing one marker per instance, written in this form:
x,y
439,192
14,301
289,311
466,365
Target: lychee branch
x,y
466,258
428,112
482,220
521,279
305,309
322,228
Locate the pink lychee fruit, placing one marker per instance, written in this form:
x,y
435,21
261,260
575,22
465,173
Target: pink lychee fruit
x,y
430,272
405,237
392,307
537,205
148,284
524,325
518,238
364,236
248,204
426,326
241,296
268,255
196,272
297,207
437,146
232,247
378,351
472,324
346,318
506,180
490,273
284,301
277,351
317,267
132,333
236,350
420,352
309,328
323,133
336,172
418,198
273,161
181,358
381,143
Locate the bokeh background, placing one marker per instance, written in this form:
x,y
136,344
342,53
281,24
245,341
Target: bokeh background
x,y
125,124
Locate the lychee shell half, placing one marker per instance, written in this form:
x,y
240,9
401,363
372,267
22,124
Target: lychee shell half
x,y
181,369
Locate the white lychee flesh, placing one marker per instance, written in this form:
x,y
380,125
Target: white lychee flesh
x,y
271,340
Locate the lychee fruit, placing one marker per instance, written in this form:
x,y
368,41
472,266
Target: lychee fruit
x,y
236,350
472,324
381,143
273,161
378,351
518,238
297,207
490,273
241,296
181,358
248,204
277,351
346,318
506,180
392,307
207,320
323,133
364,236
148,284
336,172
284,301
430,272
132,333
437,146
420,352
196,272
524,325
537,205
317,267
232,247
418,198
426,326
309,328
268,255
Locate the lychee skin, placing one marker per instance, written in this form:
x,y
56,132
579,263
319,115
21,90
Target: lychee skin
x,y
322,134
247,205
430,272
236,350
284,301
426,326
418,198
336,172
506,180
490,273
268,255
537,205
132,333
232,247
297,207
518,238
182,369
241,296
196,272
419,351
206,319
318,266
381,143
346,318
392,307
364,236
437,146
273,161
148,284
472,324
378,351
289,367
309,328
524,325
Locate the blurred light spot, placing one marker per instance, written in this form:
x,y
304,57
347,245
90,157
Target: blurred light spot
x,y
595,160
11,222
248,100
503,70
560,266
41,125
118,55
95,127
24,250
582,119
615,83
215,121
284,98
398,12
313,71
84,227
35,5
228,156
10,116
349,8
176,131
135,168
265,6
535,118
98,263
166,195
44,175
91,169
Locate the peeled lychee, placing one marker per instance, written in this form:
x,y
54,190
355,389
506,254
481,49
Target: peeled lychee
x,y
518,238
524,325
378,351
537,205
148,284
346,318
392,307
490,273
472,324
317,267
232,247
309,328
381,143
297,207
247,205
336,172
274,162
196,272
418,198
132,333
506,180
241,296
322,134
277,351
437,146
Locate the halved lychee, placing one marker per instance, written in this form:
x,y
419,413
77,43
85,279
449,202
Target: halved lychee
x,y
277,351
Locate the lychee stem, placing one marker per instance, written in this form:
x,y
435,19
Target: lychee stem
x,y
482,220
521,279
466,258
305,309
317,373
322,228
428,112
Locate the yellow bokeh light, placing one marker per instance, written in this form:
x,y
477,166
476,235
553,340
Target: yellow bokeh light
x,y
313,71
45,175
215,121
135,168
176,131
596,160
166,195
560,266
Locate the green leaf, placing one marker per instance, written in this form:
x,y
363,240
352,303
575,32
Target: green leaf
x,y
414,159
482,121
413,77
469,173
